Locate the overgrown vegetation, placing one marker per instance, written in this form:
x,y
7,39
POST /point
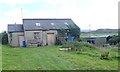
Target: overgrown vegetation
x,y
105,55
73,31
0,57
84,48
75,44
114,40
4,37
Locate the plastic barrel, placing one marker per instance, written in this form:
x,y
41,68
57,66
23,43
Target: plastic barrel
x,y
70,38
23,44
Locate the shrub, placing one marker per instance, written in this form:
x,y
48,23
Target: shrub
x,y
85,44
4,38
118,45
114,40
74,45
74,31
104,55
60,41
77,46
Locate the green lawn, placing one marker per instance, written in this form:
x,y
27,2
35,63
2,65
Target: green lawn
x,y
50,58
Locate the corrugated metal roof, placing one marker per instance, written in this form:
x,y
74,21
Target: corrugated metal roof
x,y
41,24
94,37
15,27
46,24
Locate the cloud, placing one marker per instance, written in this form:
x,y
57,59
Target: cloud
x,y
3,26
41,14
100,13
14,15
17,1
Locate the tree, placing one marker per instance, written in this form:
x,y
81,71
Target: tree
x,y
118,35
4,38
62,32
72,30
0,38
114,40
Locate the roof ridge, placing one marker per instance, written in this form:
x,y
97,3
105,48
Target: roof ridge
x,y
14,24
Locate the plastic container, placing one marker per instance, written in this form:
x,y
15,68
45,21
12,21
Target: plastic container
x,y
23,43
70,38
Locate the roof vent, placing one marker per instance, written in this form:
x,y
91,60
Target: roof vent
x,y
37,24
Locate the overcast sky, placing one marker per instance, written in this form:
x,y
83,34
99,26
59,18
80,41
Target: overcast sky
x,y
96,13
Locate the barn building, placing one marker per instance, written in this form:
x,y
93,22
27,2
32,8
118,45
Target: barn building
x,y
100,41
37,32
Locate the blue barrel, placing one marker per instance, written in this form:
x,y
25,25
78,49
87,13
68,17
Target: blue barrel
x,y
70,38
23,44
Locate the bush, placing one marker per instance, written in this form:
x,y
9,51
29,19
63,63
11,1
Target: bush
x,y
74,45
118,44
60,41
85,44
74,31
104,55
4,38
114,40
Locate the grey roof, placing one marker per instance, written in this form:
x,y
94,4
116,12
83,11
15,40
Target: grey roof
x,y
94,37
15,27
47,24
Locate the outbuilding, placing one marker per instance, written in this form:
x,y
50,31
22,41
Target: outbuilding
x,y
37,32
99,41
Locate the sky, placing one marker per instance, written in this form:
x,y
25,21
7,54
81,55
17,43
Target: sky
x,y
93,14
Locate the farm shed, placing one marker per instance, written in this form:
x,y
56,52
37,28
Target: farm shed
x,y
99,41
15,32
37,32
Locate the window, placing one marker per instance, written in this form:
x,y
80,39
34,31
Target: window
x,y
37,24
66,23
36,35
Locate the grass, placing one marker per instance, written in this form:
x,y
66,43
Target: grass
x,y
50,58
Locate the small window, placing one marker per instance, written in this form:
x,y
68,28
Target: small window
x,y
37,24
52,24
66,23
